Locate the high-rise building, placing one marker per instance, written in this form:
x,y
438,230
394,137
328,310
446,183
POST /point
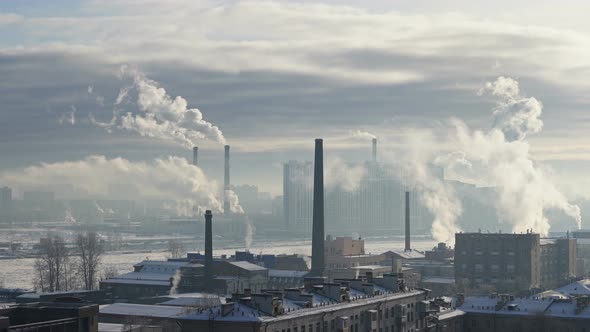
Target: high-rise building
x,y
298,194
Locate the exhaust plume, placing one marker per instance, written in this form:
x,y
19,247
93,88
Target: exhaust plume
x,y
161,116
341,175
437,195
172,178
500,158
362,134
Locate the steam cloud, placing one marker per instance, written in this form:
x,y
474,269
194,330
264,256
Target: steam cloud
x,y
160,116
437,195
500,158
172,178
341,175
362,134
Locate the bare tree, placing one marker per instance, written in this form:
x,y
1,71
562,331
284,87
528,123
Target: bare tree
x,y
109,271
53,270
89,250
176,248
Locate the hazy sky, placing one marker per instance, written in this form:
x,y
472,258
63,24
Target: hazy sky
x,y
275,75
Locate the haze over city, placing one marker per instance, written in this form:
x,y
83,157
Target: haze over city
x,y
420,129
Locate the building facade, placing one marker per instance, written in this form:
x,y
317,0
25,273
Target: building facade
x,y
514,263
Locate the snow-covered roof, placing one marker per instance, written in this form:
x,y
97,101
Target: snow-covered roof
x,y
581,287
248,266
439,280
163,266
142,310
412,254
146,276
193,301
286,273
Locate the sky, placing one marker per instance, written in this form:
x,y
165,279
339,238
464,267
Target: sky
x,y
274,75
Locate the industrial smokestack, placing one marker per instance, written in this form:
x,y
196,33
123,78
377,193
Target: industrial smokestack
x,y
317,244
226,208
196,156
208,245
374,150
408,248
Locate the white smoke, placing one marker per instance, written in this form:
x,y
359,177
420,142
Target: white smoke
x,y
500,158
234,202
175,282
362,134
160,116
236,208
68,117
69,217
437,195
172,178
343,176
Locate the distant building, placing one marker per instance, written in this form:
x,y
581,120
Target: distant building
x,y
516,263
298,194
5,204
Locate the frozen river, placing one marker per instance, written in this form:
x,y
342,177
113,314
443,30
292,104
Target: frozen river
x,y
19,272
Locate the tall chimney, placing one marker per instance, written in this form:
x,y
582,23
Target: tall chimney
x,y
408,248
317,243
208,245
196,156
374,150
226,208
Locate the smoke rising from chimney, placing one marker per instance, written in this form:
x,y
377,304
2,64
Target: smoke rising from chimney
x,y
160,116
500,158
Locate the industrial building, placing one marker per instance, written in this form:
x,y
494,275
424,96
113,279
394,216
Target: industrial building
x,y
515,263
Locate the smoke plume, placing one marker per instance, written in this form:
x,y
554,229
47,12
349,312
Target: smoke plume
x,y
500,158
172,178
438,196
343,176
362,134
160,115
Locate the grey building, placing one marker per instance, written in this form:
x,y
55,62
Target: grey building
x,y
298,194
515,263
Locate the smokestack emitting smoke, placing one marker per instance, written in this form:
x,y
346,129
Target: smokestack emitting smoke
x,y
208,245
195,156
408,247
317,244
374,150
226,194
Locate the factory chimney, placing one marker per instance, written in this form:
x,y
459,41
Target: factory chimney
x,y
208,245
226,208
195,156
374,150
408,248
317,244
